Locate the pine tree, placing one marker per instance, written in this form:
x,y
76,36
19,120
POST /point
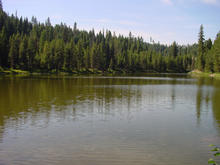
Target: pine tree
x,y
23,53
201,49
174,50
86,58
59,55
48,23
216,51
93,53
208,56
208,44
46,56
3,48
31,51
14,51
208,63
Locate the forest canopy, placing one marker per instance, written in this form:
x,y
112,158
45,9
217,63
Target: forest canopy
x,y
34,46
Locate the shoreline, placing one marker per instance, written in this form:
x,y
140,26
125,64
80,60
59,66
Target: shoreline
x,y
84,72
197,73
194,73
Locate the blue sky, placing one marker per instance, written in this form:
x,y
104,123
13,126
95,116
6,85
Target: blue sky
x,y
163,20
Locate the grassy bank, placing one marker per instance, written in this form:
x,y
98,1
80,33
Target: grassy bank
x,y
63,72
89,72
74,72
198,73
14,72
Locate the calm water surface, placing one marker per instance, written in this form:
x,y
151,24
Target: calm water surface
x,y
156,120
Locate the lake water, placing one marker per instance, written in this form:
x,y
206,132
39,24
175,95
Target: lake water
x,y
144,120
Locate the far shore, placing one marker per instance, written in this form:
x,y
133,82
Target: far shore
x,y
197,73
194,73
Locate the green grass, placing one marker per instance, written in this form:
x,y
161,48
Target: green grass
x,y
197,73
217,75
16,71
84,71
13,71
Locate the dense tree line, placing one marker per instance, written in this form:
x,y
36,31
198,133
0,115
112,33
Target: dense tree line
x,y
208,58
33,46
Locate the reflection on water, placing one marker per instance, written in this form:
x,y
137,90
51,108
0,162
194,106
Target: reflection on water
x,y
108,120
216,106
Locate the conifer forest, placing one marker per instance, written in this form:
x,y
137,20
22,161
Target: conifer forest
x,y
41,47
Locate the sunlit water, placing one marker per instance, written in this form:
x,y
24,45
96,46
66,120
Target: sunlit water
x,y
165,120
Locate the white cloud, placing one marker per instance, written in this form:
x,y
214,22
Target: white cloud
x,y
168,2
210,1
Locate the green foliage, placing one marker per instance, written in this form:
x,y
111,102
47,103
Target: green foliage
x,y
201,49
41,47
211,161
208,58
174,50
1,69
216,153
216,54
215,149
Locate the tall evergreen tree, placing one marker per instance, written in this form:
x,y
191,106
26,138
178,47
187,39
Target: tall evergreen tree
x,y
174,50
59,54
208,56
31,51
208,45
23,53
14,51
201,49
3,48
216,52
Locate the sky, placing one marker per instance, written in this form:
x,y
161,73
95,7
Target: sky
x,y
164,21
